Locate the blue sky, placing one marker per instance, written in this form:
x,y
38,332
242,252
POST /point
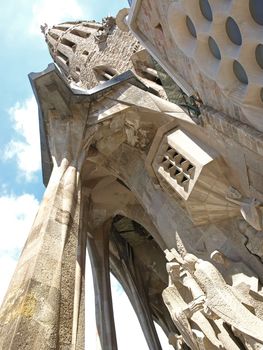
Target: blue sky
x,y
23,50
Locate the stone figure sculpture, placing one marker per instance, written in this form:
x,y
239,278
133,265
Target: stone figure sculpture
x,y
197,331
179,309
215,301
220,299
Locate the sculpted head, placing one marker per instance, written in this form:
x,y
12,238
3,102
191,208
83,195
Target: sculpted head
x,y
218,257
189,262
173,270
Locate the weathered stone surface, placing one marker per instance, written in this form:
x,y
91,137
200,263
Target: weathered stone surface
x,y
40,296
139,179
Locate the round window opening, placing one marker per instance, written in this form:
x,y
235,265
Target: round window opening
x,y
190,26
206,10
233,31
259,55
214,48
240,72
261,94
256,10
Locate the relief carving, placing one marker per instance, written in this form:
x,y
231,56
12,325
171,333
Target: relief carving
x,y
102,34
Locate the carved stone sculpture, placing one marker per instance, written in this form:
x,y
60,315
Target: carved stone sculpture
x,y
216,300
186,315
250,208
220,299
104,30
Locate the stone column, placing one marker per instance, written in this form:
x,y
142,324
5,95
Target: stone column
x,y
98,247
126,272
41,308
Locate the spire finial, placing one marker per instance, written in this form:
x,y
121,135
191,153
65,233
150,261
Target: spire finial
x,y
44,28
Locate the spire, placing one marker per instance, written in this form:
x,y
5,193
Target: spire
x,y
88,52
64,39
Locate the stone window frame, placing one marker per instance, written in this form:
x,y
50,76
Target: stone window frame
x,y
104,72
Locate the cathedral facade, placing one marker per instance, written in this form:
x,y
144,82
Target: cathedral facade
x,y
151,140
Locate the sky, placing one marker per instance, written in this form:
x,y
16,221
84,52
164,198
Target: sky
x,y
23,50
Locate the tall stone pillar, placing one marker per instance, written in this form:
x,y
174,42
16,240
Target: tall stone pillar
x,y
41,308
98,247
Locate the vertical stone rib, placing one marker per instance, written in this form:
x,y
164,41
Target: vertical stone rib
x,y
138,298
98,247
78,332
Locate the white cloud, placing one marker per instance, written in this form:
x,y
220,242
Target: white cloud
x,y
53,12
25,148
17,215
